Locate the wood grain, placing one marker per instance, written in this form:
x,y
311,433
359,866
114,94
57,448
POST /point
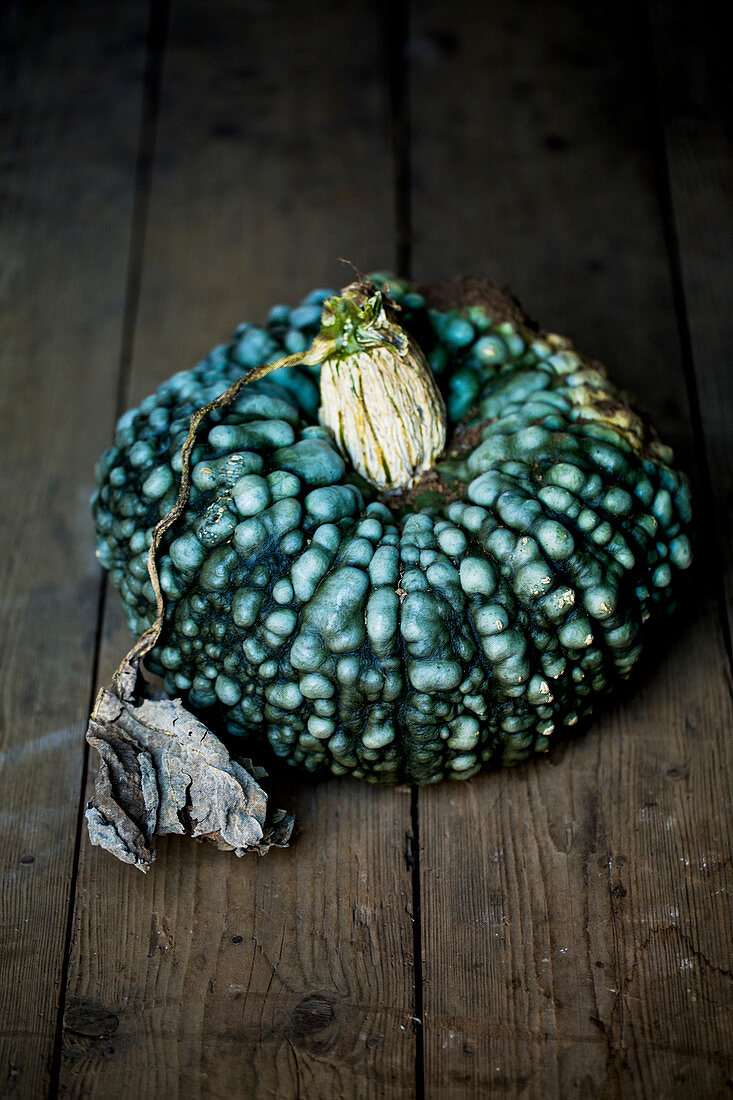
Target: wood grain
x,y
575,940
67,195
693,72
289,975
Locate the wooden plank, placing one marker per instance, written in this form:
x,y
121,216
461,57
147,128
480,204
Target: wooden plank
x,y
574,928
291,975
67,197
692,74
260,189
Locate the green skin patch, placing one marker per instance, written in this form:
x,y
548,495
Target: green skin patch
x,y
392,640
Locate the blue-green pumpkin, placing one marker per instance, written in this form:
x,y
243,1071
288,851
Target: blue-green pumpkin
x,y
398,636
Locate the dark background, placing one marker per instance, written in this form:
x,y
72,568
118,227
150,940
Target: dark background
x,y
562,929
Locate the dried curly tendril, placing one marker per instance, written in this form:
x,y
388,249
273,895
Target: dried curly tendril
x,y
378,396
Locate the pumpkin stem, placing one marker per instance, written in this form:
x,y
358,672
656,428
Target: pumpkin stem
x,y
378,394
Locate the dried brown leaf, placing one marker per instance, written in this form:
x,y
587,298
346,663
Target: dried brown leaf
x,y
163,771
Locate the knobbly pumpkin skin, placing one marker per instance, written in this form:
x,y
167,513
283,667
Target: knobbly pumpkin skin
x,y
402,637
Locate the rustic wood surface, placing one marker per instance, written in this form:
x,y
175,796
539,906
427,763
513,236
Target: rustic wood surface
x,y
562,929
71,118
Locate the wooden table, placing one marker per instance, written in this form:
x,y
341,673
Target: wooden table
x,y
559,930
